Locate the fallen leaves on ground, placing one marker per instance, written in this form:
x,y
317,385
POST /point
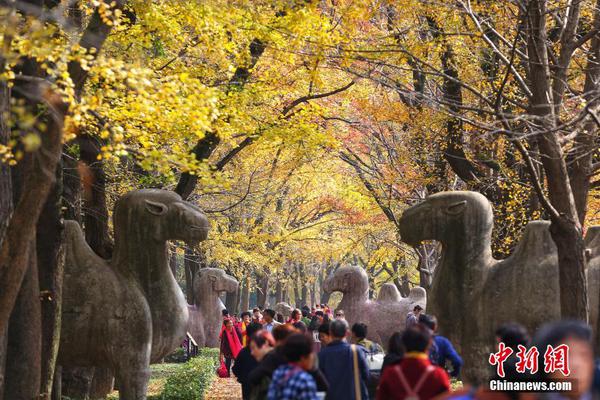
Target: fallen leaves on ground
x,y
224,389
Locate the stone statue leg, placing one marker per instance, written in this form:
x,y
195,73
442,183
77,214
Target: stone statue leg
x,y
133,382
102,383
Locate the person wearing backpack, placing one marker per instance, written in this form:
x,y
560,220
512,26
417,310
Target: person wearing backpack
x,y
344,365
415,378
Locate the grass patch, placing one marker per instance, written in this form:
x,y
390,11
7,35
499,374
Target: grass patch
x,y
181,381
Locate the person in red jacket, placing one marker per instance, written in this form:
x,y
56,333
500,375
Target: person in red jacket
x,y
414,378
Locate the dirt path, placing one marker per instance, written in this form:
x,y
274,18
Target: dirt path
x,y
224,389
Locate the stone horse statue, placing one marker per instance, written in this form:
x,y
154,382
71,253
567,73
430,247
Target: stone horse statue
x,y
128,312
382,317
206,313
472,293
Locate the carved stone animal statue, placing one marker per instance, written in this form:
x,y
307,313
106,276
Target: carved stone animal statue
x,y
206,315
284,309
128,312
472,293
388,292
383,318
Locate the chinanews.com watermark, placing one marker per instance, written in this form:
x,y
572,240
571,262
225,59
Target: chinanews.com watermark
x,y
497,385
555,363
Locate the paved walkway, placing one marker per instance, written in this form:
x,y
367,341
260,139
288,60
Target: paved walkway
x,y
224,389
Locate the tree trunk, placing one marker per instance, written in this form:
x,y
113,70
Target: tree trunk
x,y
173,263
3,347
232,301
581,156
565,228
94,197
191,264
14,255
245,303
50,259
313,294
6,201
24,350
278,292
304,298
262,298
71,193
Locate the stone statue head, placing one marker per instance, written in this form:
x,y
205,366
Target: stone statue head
x,y
159,215
446,217
284,309
349,279
216,279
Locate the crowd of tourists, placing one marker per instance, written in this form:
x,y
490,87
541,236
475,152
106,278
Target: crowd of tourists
x,y
315,354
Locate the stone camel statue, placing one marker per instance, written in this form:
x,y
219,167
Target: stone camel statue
x,y
472,293
383,318
206,314
388,292
128,312
284,309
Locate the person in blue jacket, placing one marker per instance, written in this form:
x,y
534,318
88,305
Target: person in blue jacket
x,y
441,348
336,361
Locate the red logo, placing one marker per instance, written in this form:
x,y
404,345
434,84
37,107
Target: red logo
x,y
528,359
498,358
555,359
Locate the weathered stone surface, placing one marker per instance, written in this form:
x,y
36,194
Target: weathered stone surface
x,y
284,309
472,293
206,313
382,317
388,292
124,313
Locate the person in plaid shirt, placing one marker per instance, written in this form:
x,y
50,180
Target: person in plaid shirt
x,y
291,381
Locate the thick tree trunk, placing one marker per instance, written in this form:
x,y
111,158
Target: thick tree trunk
x,y
304,295
245,303
313,294
71,193
262,298
50,259
3,340
565,229
232,301
191,264
6,201
404,286
278,292
24,350
15,251
94,197
173,263
581,156
296,285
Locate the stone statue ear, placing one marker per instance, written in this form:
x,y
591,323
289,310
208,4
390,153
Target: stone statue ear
x,y
456,208
156,208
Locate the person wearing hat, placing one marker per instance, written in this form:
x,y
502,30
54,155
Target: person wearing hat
x,y
413,317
